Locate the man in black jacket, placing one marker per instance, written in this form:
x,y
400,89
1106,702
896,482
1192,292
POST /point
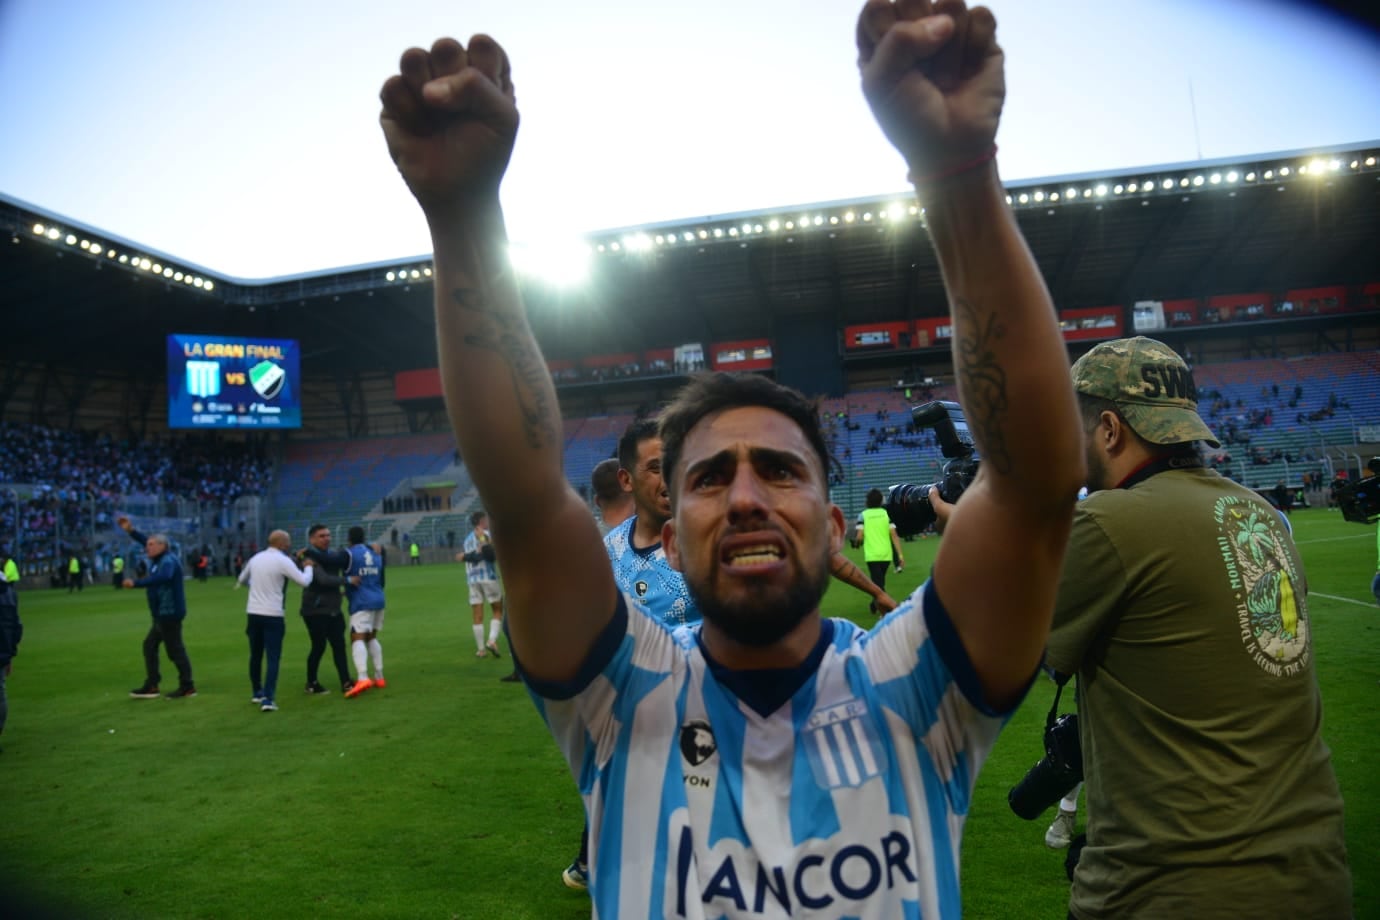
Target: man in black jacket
x,y
321,607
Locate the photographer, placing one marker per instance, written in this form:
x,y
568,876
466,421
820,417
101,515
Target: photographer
x,y
1182,610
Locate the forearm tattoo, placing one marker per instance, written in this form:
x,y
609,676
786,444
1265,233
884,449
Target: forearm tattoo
x,y
846,571
505,333
983,381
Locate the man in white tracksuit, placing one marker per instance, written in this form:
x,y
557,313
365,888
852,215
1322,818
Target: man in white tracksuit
x,y
267,575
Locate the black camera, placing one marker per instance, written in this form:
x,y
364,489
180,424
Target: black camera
x,y
909,505
1057,772
1360,500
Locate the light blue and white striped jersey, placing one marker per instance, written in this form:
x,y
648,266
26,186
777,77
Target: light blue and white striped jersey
x,y
845,800
646,577
478,571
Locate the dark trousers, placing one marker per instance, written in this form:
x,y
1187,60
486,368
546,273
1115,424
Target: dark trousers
x,y
323,629
877,572
74,580
117,580
265,636
166,631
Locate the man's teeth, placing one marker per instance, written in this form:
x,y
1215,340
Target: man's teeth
x,y
754,555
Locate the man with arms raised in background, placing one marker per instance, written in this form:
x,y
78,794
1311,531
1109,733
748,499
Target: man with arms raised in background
x,y
168,607
856,751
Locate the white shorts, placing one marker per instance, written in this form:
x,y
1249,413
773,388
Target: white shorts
x,y
366,621
485,592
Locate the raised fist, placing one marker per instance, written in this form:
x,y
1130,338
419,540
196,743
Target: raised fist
x,y
450,119
933,75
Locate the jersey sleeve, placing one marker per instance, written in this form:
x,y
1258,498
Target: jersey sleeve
x,y
922,674
632,658
1090,590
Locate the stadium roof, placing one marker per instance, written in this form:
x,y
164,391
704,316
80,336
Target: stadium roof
x,y
79,297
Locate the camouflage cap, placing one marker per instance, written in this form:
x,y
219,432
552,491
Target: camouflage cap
x,y
1151,386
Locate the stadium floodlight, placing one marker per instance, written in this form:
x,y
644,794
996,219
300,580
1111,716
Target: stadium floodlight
x,y
53,233
168,272
1071,192
915,210
833,220
773,225
732,231
688,237
1268,174
703,234
177,276
71,240
818,220
556,262
1024,198
124,259
1284,170
210,286
867,215
1116,189
427,271
747,228
849,217
1039,195
1053,196
661,239
85,244
96,249
414,274
895,211
1250,177
719,232
790,225
1087,193
756,228
39,228
390,277
1370,161
1334,165
1167,184
1198,181
186,279
198,282
1215,178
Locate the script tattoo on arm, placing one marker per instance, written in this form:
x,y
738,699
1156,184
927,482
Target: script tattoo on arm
x,y
504,333
984,383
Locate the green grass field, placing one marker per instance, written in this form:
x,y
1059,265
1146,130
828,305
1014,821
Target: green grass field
x,y
443,796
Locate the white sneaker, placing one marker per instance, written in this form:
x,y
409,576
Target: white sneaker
x,y
1060,833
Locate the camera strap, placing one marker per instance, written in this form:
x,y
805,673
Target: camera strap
x,y
1059,681
1161,464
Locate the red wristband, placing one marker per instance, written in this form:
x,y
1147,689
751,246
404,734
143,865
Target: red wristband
x,y
986,156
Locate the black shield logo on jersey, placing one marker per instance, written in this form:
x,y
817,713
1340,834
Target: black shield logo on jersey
x,y
640,588
697,742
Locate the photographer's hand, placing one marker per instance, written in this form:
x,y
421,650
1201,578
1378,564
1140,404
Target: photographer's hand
x,y
942,509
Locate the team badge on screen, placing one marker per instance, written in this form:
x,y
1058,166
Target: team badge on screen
x,y
267,379
203,378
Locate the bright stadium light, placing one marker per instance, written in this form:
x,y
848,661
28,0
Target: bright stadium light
x,y
773,225
38,229
96,249
732,231
867,215
1268,174
1370,161
849,217
177,276
719,232
818,220
1167,184
168,272
71,240
1250,177
85,244
124,259
1197,181
427,271
895,211
53,233
1215,178
1023,198
186,279
559,263
1071,192
390,277
1053,196
1284,170
198,282
833,219
1039,195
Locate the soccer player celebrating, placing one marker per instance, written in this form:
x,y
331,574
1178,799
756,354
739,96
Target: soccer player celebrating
x,y
766,755
364,591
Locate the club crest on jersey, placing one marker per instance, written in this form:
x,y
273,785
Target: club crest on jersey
x,y
640,588
697,742
841,745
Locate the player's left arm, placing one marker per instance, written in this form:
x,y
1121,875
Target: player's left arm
x,y
843,568
935,79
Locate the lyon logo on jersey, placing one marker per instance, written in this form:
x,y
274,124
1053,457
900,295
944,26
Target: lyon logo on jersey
x,y
697,742
841,746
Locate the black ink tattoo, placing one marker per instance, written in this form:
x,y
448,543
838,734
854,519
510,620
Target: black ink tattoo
x,y
983,382
506,334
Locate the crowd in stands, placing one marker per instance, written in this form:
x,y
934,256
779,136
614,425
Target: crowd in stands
x,y
76,480
657,367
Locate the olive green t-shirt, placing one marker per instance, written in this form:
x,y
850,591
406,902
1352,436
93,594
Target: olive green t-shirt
x,y
1210,792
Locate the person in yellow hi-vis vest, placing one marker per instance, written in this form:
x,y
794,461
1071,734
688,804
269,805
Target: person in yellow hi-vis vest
x,y
415,552
117,571
73,574
880,542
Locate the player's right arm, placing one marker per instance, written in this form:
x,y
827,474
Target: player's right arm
x,y
450,120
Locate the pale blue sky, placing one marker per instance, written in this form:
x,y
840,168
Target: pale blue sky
x,y
243,137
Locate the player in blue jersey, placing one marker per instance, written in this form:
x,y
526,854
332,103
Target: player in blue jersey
x,y
364,592
766,760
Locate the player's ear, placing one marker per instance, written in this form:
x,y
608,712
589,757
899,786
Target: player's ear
x,y
670,544
837,527
625,480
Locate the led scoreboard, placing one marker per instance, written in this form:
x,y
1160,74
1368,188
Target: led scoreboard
x,y
221,382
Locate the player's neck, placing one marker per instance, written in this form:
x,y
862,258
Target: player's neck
x,y
646,531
